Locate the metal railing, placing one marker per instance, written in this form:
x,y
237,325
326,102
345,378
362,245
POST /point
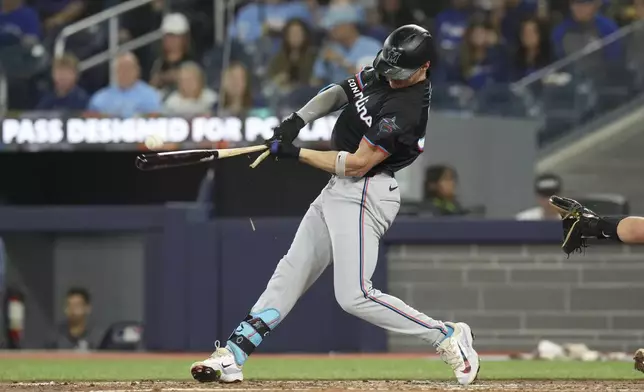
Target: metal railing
x,y
586,51
111,16
4,96
595,80
229,12
220,9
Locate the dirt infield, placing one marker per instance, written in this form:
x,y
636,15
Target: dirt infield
x,y
330,386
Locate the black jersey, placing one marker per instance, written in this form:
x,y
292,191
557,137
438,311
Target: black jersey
x,y
394,120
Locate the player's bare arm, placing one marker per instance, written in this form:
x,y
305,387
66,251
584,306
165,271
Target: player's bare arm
x,y
355,165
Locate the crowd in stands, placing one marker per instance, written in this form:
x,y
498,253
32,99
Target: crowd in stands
x,y
279,53
282,52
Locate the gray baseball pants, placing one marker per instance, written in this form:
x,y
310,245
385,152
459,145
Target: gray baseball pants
x,y
343,227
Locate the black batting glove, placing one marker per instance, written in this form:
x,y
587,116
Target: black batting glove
x,y
287,130
282,149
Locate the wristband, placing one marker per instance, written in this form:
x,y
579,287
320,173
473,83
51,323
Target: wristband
x,y
340,163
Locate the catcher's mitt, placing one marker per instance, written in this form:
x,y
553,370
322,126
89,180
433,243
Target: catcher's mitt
x,y
639,360
577,221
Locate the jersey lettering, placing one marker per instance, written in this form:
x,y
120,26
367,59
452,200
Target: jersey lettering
x,y
393,120
361,101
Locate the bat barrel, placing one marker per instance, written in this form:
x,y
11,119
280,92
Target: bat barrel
x,y
173,159
190,157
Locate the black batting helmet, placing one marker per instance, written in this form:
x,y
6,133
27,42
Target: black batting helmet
x,y
407,49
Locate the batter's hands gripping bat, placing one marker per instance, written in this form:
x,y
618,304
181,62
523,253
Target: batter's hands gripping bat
x,y
287,130
162,160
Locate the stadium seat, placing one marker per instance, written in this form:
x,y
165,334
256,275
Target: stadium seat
x,y
567,102
615,86
606,204
409,208
450,97
23,67
213,60
499,100
123,336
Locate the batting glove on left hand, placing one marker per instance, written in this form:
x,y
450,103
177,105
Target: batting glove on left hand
x,y
284,149
287,130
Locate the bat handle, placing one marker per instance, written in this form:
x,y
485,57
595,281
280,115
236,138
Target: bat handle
x,y
260,158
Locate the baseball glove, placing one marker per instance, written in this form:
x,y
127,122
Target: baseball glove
x,y
578,221
639,360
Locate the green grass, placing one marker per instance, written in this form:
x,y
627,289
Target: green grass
x,y
304,369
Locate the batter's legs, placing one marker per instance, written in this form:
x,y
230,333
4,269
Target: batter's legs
x,y
358,215
307,258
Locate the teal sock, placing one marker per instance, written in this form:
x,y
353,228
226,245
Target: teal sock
x,y
450,332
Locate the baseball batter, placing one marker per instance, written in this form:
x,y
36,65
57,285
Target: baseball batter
x,y
380,131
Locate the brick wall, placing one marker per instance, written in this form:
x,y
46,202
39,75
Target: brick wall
x,y
512,296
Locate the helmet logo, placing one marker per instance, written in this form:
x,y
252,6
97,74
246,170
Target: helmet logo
x,y
392,56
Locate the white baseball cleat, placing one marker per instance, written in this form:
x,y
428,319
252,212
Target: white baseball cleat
x,y
221,366
457,351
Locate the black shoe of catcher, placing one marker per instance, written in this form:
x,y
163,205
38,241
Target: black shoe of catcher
x,y
579,223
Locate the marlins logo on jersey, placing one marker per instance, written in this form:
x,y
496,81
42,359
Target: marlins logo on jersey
x,y
387,125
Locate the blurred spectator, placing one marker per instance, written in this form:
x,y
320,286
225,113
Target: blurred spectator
x,y
584,26
66,93
508,14
347,50
76,333
293,64
175,52
235,95
19,24
440,192
545,186
372,22
534,49
56,14
563,7
268,17
431,9
638,10
192,98
141,20
482,60
635,52
396,13
638,7
451,24
138,22
621,11
130,96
